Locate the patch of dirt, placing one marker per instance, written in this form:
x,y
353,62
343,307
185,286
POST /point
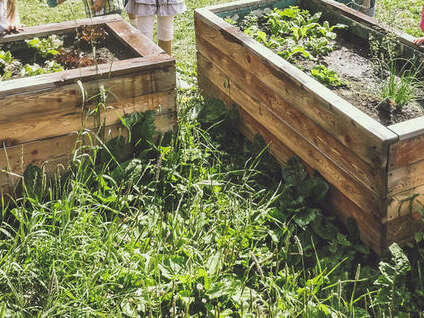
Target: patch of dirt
x,y
86,46
351,61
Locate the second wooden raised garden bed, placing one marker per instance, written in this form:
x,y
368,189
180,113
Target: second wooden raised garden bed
x,y
40,115
374,170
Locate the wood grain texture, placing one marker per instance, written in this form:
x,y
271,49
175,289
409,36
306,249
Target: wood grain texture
x,y
44,82
372,230
292,139
65,122
133,38
69,98
405,178
406,203
406,152
402,229
351,127
50,151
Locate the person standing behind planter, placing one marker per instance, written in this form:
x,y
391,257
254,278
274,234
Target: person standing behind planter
x,y
368,7
142,14
9,18
420,41
96,7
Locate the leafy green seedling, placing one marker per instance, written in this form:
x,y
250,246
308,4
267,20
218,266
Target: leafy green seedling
x,y
46,47
35,69
326,76
8,65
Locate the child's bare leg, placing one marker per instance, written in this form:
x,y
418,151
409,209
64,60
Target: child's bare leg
x,y
145,25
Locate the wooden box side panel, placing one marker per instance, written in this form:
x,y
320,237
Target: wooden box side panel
x,y
406,169
61,111
133,38
262,67
54,154
371,229
243,84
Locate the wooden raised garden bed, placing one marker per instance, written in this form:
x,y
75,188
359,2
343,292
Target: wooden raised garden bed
x,y
374,170
40,115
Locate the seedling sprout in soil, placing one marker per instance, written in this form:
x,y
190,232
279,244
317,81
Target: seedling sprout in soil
x,y
345,65
89,45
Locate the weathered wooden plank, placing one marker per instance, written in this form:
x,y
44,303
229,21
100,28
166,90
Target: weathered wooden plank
x,y
43,82
406,152
404,178
405,203
362,134
69,97
65,122
53,28
49,152
409,129
371,177
363,197
402,229
133,39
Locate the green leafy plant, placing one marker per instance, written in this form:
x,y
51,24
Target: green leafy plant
x,y
35,69
326,76
401,89
46,47
8,65
292,32
392,282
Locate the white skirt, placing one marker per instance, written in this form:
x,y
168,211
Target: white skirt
x,y
162,8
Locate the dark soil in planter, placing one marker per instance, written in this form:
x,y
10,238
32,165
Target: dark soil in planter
x,y
88,45
351,61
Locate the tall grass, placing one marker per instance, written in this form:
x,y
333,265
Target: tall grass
x,y
196,223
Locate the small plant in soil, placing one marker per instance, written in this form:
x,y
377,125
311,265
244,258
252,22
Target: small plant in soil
x,y
87,46
90,36
8,65
400,76
401,89
326,76
46,47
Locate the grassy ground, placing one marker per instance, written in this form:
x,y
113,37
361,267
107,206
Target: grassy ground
x,y
199,224
403,15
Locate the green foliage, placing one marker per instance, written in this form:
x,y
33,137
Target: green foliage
x,y
326,76
8,65
6,58
33,179
401,89
46,47
35,69
292,32
393,291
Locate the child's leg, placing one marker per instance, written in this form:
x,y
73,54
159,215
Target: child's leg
x,y
165,33
133,19
145,25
